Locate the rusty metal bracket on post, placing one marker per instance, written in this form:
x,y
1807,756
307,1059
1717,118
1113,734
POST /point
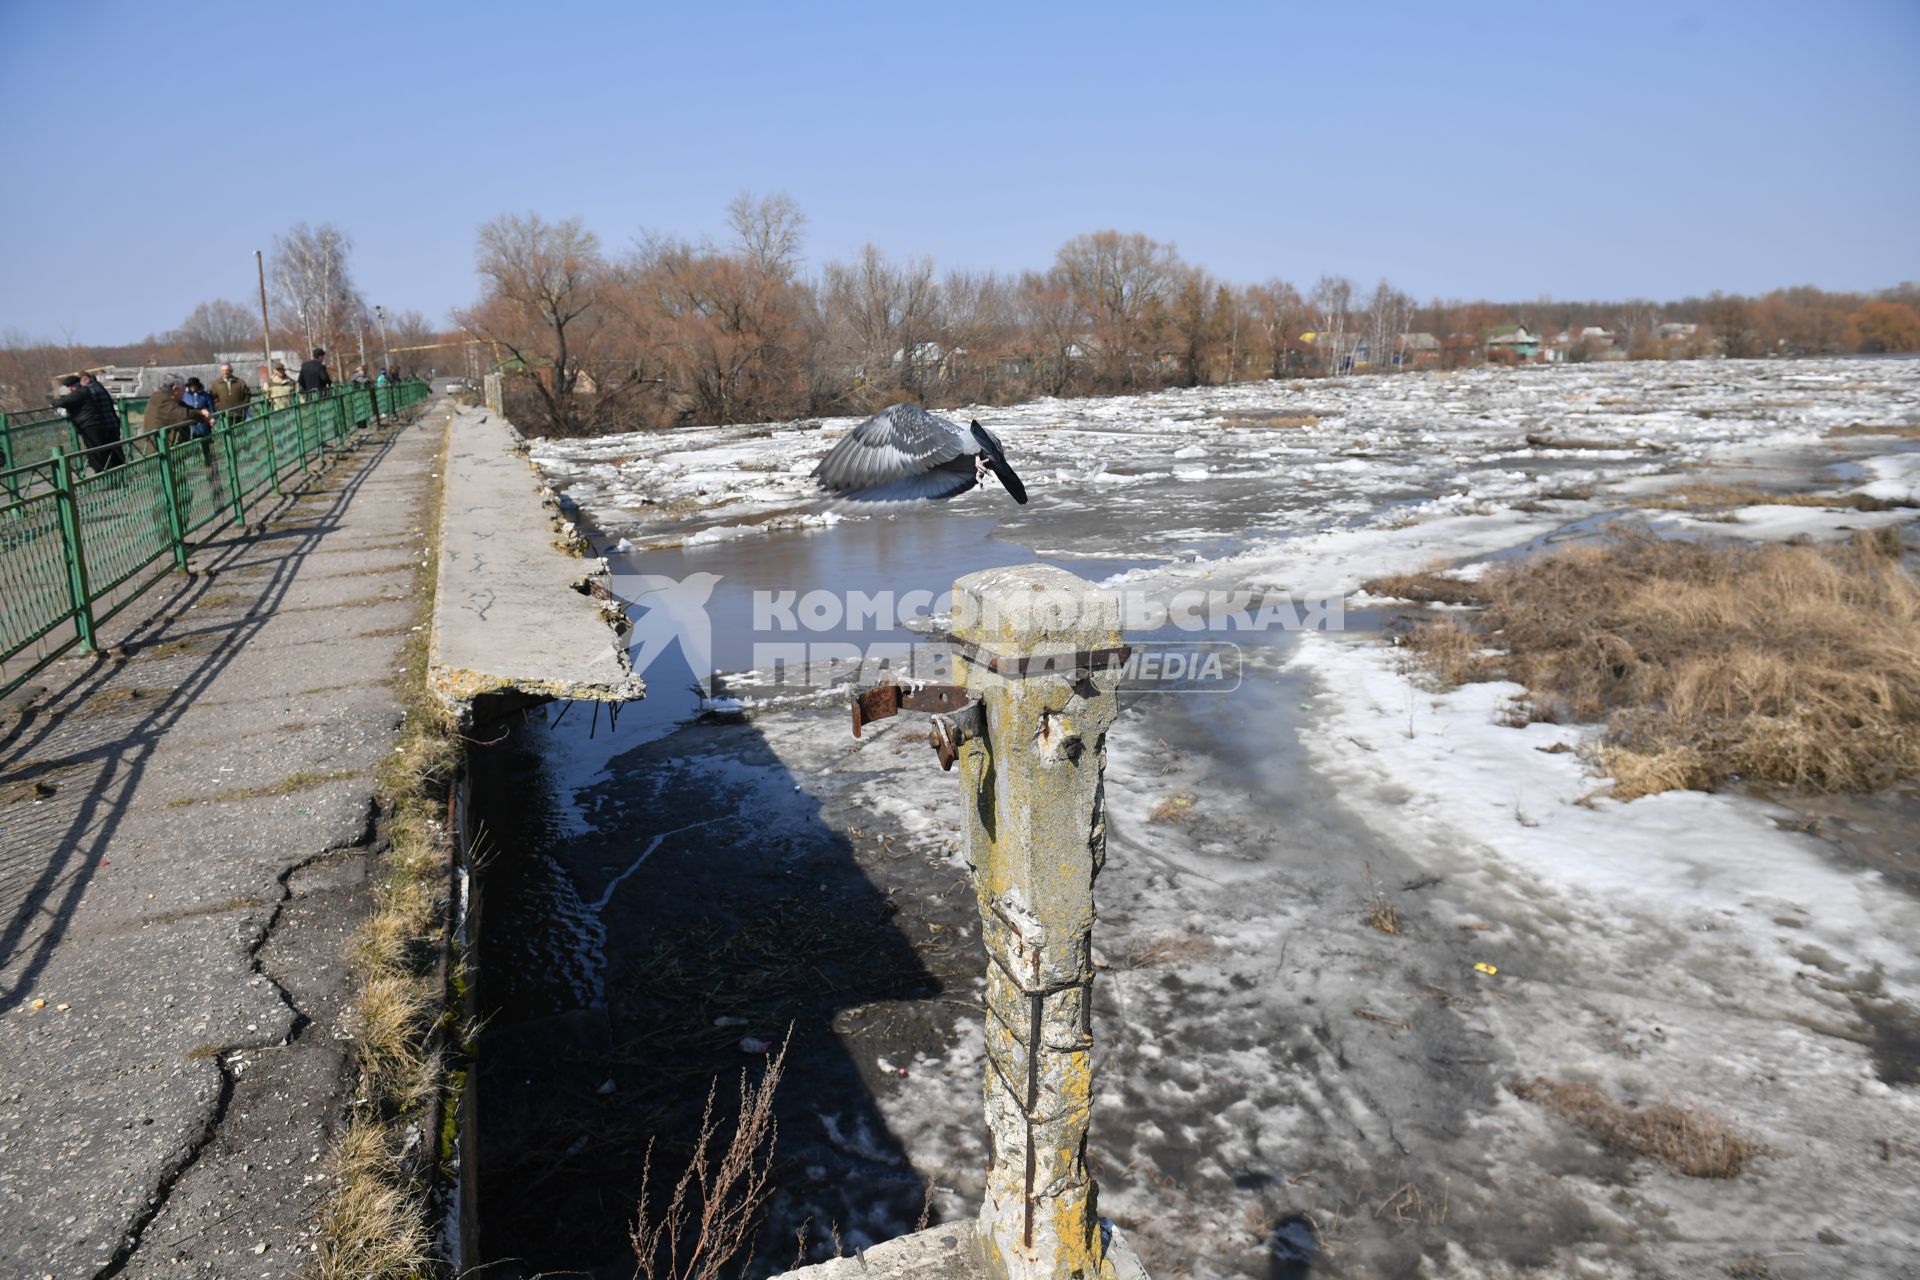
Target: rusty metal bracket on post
x,y
957,715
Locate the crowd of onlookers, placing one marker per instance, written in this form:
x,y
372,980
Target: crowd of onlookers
x,y
186,408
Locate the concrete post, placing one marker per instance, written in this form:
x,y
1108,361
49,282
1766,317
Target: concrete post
x,y
1028,644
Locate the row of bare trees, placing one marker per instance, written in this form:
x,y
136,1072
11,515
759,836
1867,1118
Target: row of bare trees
x,y
675,330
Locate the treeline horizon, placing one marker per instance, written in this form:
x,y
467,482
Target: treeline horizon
x,y
677,331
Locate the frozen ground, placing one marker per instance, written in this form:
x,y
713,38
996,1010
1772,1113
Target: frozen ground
x,y
1282,1089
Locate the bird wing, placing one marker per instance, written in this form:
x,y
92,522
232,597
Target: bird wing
x,y
895,444
941,482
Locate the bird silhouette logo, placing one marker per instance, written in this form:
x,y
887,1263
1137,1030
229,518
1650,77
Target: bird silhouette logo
x,y
671,610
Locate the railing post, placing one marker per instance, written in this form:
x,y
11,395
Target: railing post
x,y
1036,646
6,458
79,593
273,451
176,527
302,414
233,472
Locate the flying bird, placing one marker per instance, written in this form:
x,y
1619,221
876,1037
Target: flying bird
x,y
904,452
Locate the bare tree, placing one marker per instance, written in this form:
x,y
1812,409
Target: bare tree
x,y
1281,314
1195,322
1389,316
313,286
974,323
407,333
883,314
542,304
1732,320
1121,283
1332,303
1052,321
768,230
729,327
219,325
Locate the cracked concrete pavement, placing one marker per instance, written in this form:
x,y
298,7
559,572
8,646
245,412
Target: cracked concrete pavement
x,y
181,892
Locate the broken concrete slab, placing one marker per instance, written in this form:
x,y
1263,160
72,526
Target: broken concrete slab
x,y
518,619
952,1252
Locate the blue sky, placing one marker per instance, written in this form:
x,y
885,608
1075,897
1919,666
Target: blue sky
x,y
1594,150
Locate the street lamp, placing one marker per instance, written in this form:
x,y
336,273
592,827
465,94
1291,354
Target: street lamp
x,y
386,356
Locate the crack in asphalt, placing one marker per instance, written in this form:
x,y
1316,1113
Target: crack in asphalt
x,y
217,1114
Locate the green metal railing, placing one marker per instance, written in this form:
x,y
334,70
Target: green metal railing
x,y
76,547
31,436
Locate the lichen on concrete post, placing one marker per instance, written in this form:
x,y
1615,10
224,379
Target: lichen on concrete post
x,y
1036,646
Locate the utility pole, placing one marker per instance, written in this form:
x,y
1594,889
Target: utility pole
x,y
266,330
386,355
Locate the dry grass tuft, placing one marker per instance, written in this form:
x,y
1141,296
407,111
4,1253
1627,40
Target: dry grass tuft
x,y
396,1011
1177,807
1704,496
1902,430
1452,654
1410,1206
1426,587
1260,419
1539,441
714,1212
1172,949
1792,665
1381,914
1697,1143
370,1229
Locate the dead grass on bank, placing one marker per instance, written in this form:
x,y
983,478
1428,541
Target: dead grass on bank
x,y
371,1226
1177,807
374,1224
1169,949
1263,420
1695,1142
1899,430
1706,496
1792,665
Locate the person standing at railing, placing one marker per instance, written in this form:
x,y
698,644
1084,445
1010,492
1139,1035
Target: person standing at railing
x,y
167,410
363,381
280,386
99,430
314,378
112,455
200,400
230,394
109,411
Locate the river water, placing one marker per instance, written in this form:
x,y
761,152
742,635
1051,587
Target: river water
x,y
727,867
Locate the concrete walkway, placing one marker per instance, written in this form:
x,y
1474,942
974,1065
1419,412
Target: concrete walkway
x,y
514,623
185,830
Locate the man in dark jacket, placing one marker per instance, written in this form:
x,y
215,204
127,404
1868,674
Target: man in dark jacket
x,y
314,378
230,394
167,408
99,430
